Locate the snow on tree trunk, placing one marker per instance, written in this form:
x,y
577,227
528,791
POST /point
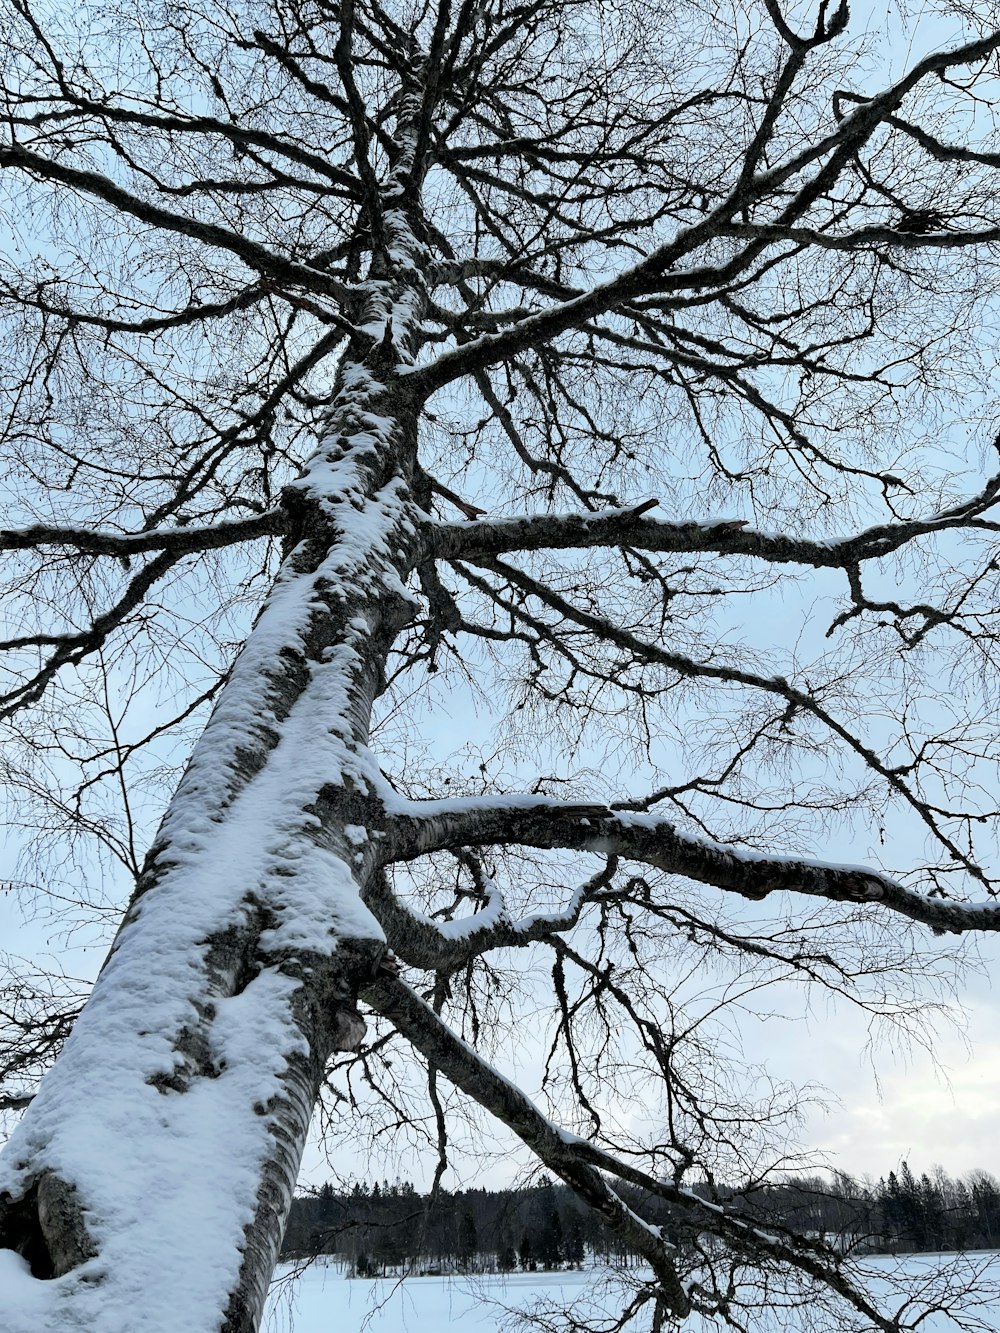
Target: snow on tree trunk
x,y
149,1181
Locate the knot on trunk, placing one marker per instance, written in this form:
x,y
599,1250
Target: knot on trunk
x,y
46,1227
355,965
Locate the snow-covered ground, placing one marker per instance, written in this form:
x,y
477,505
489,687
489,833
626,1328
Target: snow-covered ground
x,y
322,1300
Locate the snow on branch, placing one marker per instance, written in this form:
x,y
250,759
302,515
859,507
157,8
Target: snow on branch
x,y
903,237
428,826
449,945
632,527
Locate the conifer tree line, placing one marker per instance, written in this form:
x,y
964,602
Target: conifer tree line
x,y
391,1228
900,1213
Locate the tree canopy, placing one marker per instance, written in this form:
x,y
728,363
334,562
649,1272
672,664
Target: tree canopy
x,y
626,369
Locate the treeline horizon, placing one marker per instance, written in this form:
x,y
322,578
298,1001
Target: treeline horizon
x,y
391,1227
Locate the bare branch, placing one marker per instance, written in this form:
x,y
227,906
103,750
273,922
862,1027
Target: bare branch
x,y
630,527
536,822
257,257
580,1164
179,541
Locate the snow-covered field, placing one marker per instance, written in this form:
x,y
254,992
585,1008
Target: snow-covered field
x,y
323,1301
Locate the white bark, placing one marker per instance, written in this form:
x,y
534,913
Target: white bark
x,y
190,1078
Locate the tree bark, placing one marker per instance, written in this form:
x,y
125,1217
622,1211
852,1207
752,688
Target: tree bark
x,y
239,960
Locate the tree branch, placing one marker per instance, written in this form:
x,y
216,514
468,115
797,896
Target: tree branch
x,y
420,827
179,541
448,946
579,1163
256,257
630,527
653,273
469,1072
684,665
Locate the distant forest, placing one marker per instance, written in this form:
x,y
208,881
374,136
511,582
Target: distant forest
x,y
391,1228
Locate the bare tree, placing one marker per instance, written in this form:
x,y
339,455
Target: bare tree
x,y
627,363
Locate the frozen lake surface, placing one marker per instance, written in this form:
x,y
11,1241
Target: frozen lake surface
x,y
322,1300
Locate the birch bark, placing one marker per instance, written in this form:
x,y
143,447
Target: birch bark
x,y
196,1064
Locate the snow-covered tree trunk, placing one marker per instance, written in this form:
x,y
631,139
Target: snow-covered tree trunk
x,y
175,1121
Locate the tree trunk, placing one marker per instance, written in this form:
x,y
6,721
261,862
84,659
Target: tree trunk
x,y
149,1181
